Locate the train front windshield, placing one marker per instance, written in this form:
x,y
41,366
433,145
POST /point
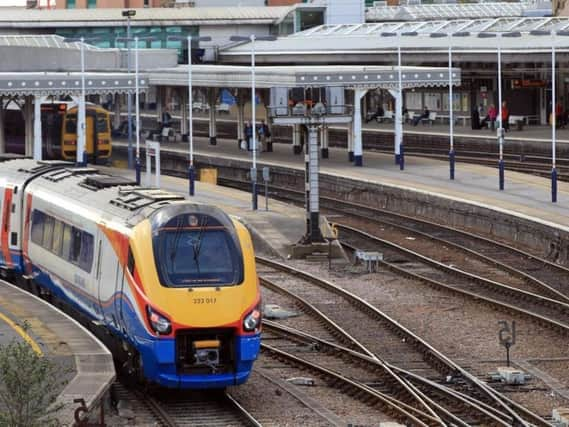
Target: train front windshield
x,y
197,250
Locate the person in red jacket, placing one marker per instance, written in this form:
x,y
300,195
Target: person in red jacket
x,y
505,117
490,117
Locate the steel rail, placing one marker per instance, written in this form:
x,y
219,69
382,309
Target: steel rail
x,y
488,411
443,361
346,337
251,420
521,295
399,407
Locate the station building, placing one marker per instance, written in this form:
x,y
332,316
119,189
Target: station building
x,y
308,35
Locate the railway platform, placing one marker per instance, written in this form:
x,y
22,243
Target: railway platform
x,y
85,364
525,196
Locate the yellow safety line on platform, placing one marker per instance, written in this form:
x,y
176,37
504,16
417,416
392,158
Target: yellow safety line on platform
x,y
23,334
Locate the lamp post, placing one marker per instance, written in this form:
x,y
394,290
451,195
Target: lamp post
x,y
501,167
253,38
553,102
191,169
128,14
137,162
451,153
399,146
81,155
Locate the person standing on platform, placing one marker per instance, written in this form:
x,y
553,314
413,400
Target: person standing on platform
x,y
559,116
248,135
505,117
261,135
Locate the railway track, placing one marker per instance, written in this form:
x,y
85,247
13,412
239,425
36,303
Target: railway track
x,y
405,262
181,409
539,275
456,408
394,344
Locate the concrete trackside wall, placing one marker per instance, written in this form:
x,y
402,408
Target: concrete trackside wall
x,y
541,239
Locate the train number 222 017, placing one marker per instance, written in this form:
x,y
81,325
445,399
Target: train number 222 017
x,y
205,300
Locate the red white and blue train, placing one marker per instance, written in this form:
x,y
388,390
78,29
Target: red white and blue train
x,y
171,282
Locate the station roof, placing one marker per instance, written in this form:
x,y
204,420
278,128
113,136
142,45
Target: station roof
x,y
44,41
64,18
45,84
418,12
328,41
353,76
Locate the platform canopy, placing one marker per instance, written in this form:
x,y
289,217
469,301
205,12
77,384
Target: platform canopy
x,y
46,84
473,36
418,12
352,76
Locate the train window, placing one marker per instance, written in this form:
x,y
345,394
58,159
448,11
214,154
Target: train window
x,y
75,245
57,237
71,123
204,256
47,232
37,227
102,124
86,255
66,247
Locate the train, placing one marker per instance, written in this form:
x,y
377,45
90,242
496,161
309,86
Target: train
x,y
59,131
168,284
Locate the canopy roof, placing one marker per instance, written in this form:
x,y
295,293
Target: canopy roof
x,y
371,38
352,76
417,12
45,84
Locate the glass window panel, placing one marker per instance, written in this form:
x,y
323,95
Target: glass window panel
x,y
75,245
47,232
57,237
66,247
38,219
86,253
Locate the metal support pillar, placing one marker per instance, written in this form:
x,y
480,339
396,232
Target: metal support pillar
x,y
240,116
81,157
357,126
270,138
28,111
159,103
324,141
398,95
2,134
311,164
212,95
351,141
296,135
37,128
117,111
185,113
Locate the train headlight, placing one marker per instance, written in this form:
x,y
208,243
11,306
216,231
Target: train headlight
x,y
252,321
158,322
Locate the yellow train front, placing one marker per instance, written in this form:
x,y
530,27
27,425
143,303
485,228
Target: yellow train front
x,y
98,144
196,266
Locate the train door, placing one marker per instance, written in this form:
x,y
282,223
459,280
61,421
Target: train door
x,y
90,136
109,277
